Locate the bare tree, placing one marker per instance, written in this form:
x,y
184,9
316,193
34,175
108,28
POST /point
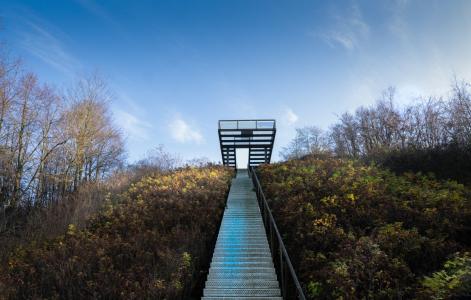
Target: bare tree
x,y
459,112
49,144
158,159
429,123
95,145
308,140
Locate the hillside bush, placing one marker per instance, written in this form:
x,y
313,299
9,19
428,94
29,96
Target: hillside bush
x,y
151,242
453,281
357,231
447,162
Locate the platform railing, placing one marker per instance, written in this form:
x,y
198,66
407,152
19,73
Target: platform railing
x,y
257,124
290,286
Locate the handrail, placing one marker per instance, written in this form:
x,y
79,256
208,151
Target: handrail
x,y
283,263
272,125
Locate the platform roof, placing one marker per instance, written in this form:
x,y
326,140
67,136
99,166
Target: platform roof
x,y
256,135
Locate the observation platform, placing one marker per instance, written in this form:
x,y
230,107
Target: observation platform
x,y
256,135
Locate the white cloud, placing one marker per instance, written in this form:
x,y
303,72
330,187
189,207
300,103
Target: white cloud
x,y
291,117
183,133
345,39
348,31
132,126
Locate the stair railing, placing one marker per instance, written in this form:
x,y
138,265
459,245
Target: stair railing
x,y
290,286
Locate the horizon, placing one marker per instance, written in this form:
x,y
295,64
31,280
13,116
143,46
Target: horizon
x,y
177,68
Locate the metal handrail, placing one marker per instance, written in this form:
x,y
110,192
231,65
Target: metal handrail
x,y
283,263
273,126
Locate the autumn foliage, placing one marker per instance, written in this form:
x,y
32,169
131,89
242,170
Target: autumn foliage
x,y
149,242
356,231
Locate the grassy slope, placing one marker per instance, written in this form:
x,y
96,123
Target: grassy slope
x,y
150,245
356,231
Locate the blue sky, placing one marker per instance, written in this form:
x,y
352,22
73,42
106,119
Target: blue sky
x,y
176,67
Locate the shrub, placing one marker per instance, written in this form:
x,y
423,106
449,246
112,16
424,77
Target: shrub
x,y
358,231
152,243
453,281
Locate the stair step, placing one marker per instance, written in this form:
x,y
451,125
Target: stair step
x,y
231,264
235,269
243,238
243,212
256,230
236,223
228,227
242,248
242,283
243,298
242,259
237,276
242,227
242,234
238,241
242,255
242,292
262,243
241,245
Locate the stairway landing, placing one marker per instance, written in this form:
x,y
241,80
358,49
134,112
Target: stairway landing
x,y
242,266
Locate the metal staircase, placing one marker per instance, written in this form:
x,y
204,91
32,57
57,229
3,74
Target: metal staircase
x,y
242,266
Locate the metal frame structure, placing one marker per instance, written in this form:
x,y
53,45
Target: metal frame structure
x,y
256,135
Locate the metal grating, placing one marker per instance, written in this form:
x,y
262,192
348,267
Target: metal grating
x,y
242,265
256,135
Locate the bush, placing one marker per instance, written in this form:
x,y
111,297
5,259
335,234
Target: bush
x,y
453,281
46,221
151,243
446,162
358,231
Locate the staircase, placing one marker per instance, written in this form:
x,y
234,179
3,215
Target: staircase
x,y
242,266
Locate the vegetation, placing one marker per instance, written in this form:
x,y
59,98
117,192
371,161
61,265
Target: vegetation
x,y
60,152
357,231
75,221
150,241
50,143
454,281
56,151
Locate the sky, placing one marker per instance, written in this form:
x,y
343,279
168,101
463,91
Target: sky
x,y
177,67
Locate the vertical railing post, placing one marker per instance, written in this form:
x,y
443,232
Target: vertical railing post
x,y
282,274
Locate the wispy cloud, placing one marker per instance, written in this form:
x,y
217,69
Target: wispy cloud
x,y
290,117
46,43
183,133
348,29
133,127
397,24
96,9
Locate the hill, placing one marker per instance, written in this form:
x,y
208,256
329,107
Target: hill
x,y
155,242
357,231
